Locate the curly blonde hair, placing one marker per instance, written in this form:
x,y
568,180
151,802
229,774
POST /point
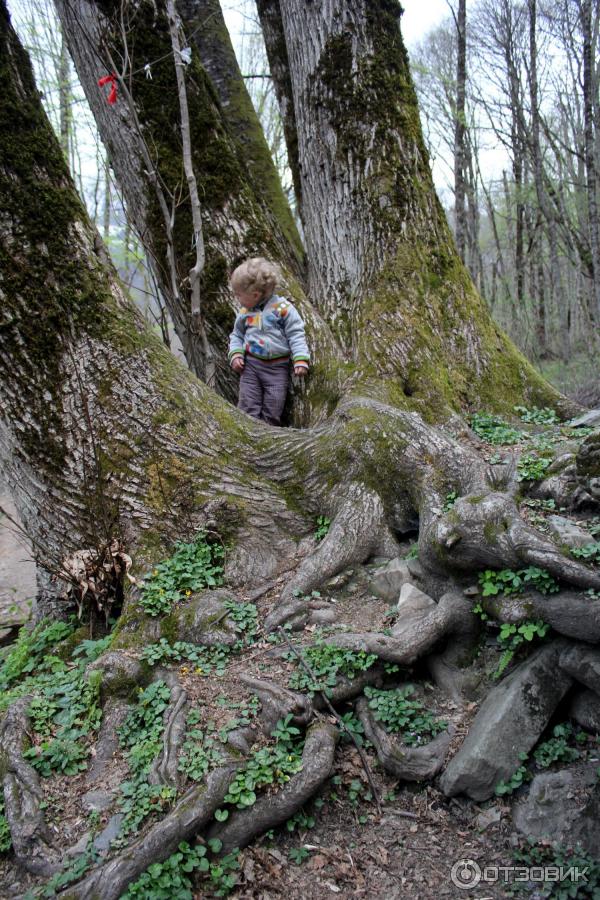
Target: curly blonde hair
x,y
256,274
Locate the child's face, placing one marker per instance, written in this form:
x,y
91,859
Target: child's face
x,y
249,299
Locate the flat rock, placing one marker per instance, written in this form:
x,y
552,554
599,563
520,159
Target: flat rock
x,y
97,800
488,817
387,581
103,841
567,532
80,847
587,420
509,722
562,807
413,601
324,616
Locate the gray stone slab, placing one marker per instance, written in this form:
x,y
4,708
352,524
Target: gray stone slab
x,y
585,710
509,722
387,581
562,807
103,841
583,664
566,532
587,420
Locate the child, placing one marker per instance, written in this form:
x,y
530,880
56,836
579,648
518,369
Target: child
x,y
267,332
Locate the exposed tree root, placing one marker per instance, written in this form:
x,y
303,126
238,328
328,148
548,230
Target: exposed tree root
x,y
568,613
278,702
164,767
487,530
407,763
189,816
410,639
274,809
358,530
30,834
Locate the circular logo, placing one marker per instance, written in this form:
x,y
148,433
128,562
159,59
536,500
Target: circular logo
x,y
465,874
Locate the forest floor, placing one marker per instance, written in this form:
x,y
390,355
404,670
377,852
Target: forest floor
x,y
341,846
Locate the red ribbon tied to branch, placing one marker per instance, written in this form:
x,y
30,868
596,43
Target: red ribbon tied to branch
x,y
112,80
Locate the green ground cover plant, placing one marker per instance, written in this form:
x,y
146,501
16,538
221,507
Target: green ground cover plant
x,y
400,714
495,430
590,552
140,737
173,878
531,467
206,660
322,529
509,581
326,663
191,567
536,416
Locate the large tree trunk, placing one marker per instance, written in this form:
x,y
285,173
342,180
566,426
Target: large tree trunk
x,y
382,266
104,435
590,105
460,161
142,135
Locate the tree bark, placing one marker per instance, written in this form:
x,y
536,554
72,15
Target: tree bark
x,y
542,206
141,134
459,131
378,277
590,89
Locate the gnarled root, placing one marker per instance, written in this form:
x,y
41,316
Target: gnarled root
x,y
355,533
278,702
193,812
407,763
22,794
412,638
274,809
164,767
568,613
487,530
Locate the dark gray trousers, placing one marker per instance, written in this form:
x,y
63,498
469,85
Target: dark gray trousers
x,y
263,388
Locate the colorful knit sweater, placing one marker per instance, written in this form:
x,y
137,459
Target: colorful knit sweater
x,y
271,330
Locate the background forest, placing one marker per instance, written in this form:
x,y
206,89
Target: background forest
x,y
508,93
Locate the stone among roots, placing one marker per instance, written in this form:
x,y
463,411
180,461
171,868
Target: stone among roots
x,y
509,722
413,602
203,620
583,664
567,532
588,420
387,581
562,807
585,710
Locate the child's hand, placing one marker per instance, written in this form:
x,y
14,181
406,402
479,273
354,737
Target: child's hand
x,y
238,364
300,371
